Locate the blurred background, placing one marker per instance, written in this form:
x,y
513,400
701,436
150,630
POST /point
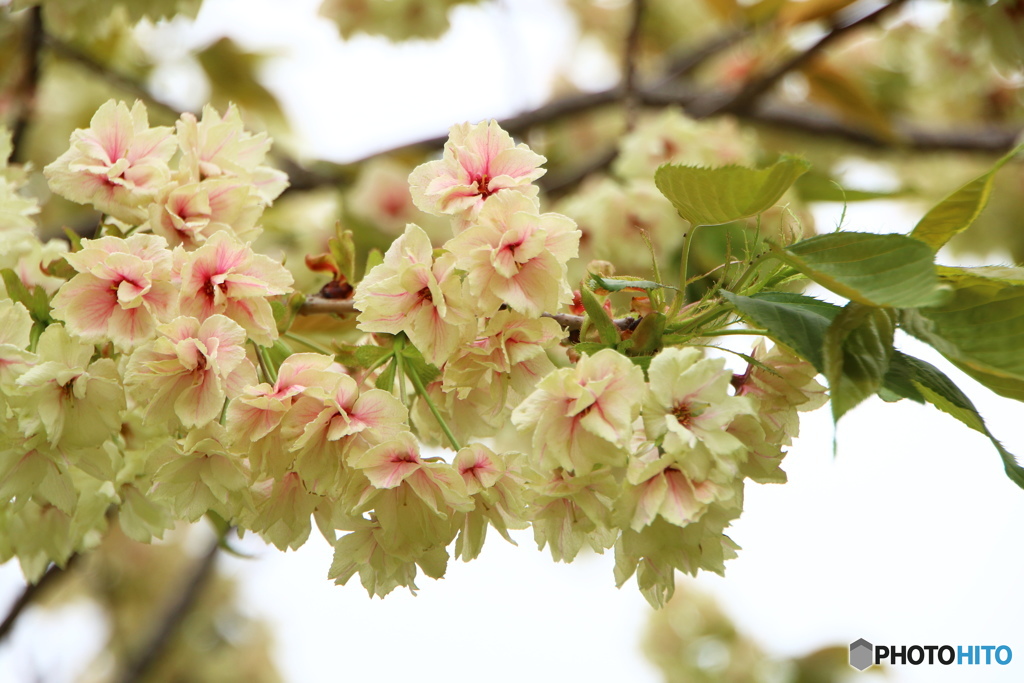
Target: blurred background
x,y
898,527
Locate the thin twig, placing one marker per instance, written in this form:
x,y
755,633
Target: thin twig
x,y
29,85
119,81
748,96
151,653
319,306
629,64
31,592
802,120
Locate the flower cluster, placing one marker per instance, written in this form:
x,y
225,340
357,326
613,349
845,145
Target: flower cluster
x,y
142,372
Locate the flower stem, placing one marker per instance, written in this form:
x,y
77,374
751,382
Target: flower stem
x,y
265,365
309,343
418,383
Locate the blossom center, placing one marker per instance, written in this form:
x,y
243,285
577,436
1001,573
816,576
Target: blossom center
x,y
482,184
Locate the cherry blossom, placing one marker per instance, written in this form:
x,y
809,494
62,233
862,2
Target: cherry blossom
x,y
186,373
122,291
117,164
479,161
225,276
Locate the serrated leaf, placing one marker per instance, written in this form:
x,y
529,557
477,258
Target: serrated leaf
x,y
958,211
877,270
414,362
714,196
942,392
798,321
857,350
898,381
629,283
386,380
368,355
606,328
980,330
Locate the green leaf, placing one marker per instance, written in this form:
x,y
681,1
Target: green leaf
x,y
373,259
713,196
858,347
648,334
589,348
800,322
877,270
958,211
624,282
36,300
898,381
278,353
386,379
606,328
940,391
980,330
414,362
818,187
343,250
369,355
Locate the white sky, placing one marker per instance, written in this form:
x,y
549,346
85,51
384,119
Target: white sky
x,y
907,536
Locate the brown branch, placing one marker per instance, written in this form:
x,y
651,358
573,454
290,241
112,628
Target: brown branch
x,y
748,96
72,54
29,85
629,63
31,592
140,667
801,120
315,305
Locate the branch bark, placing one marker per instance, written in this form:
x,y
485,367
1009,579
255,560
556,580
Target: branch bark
x,y
27,89
139,668
748,96
319,306
31,592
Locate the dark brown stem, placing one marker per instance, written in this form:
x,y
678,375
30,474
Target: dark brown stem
x,y
749,95
320,306
72,54
31,592
629,79
29,83
140,667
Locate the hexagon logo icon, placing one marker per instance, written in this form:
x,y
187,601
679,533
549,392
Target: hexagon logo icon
x,y
861,654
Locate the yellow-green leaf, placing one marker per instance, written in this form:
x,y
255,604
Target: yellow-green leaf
x,y
958,211
713,196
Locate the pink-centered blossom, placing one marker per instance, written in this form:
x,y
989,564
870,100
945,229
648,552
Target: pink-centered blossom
x,y
122,291
219,147
118,164
187,372
255,417
479,161
583,416
327,430
190,213
414,293
514,255
225,276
